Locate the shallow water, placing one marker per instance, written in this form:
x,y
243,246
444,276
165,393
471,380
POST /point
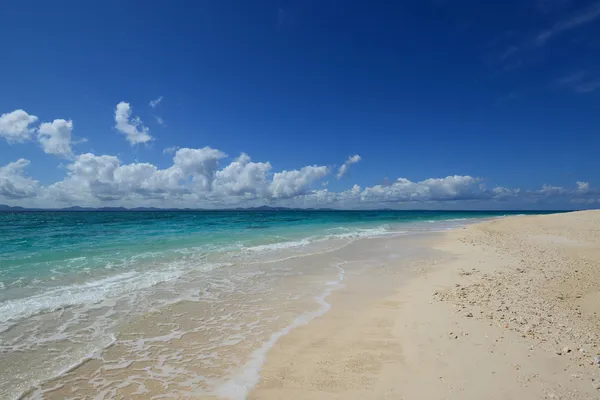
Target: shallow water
x,y
174,304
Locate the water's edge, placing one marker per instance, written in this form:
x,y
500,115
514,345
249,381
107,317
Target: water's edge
x,y
121,308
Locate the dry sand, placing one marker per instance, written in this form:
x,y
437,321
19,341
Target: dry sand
x,y
506,310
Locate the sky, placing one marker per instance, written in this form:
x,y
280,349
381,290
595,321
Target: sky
x,y
428,104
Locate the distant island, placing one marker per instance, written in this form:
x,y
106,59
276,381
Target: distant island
x,y
6,208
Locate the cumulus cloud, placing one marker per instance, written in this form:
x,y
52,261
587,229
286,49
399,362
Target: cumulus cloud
x,y
92,178
288,184
549,190
502,193
55,137
346,166
199,164
583,186
201,178
132,127
195,175
14,184
243,178
15,126
104,178
434,189
154,103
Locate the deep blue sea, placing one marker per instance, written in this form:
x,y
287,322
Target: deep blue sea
x,y
70,281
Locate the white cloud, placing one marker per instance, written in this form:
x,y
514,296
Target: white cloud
x,y
193,177
89,176
170,150
199,164
343,170
583,186
154,103
13,182
196,178
549,190
287,184
243,178
95,179
55,137
103,178
434,189
159,120
15,126
501,193
134,130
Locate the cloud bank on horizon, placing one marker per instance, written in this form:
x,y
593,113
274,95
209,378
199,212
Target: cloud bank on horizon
x,y
199,177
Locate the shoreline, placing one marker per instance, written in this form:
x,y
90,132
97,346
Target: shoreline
x,y
172,329
494,314
402,298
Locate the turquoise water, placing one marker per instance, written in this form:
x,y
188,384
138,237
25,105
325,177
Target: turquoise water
x,y
71,280
47,246
45,250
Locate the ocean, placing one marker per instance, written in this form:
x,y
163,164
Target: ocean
x,y
180,303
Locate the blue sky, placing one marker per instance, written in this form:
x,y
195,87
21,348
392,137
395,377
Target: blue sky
x,y
505,93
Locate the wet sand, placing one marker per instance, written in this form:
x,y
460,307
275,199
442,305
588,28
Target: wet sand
x,y
214,345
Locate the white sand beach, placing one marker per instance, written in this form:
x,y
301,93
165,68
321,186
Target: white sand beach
x,y
505,309
502,309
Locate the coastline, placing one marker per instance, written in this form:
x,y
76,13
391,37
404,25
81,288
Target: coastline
x,y
503,309
479,311
210,333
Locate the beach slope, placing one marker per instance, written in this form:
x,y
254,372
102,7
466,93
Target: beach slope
x,y
505,309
